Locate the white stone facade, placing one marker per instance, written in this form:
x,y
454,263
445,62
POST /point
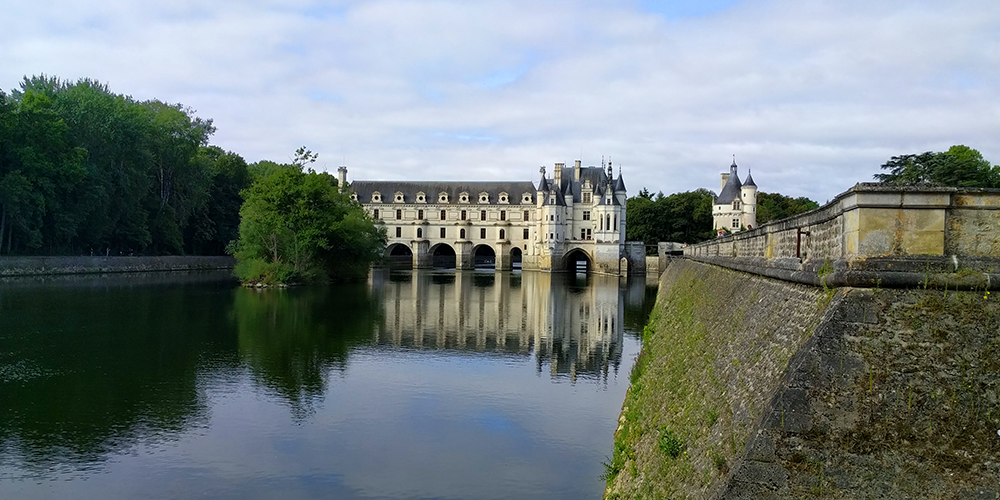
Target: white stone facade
x,y
735,208
572,220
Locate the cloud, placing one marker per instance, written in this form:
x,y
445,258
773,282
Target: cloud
x,y
812,95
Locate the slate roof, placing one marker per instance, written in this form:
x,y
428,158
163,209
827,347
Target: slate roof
x,y
388,189
731,191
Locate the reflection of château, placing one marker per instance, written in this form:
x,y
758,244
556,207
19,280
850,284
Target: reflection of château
x,y
575,327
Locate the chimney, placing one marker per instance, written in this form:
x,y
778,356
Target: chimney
x,y
725,177
558,175
576,171
341,178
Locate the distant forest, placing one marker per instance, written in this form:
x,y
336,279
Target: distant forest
x,y
687,217
86,171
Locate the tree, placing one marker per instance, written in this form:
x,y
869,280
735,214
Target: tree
x,y
960,166
774,206
682,217
297,227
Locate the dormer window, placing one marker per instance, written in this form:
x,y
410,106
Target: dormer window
x,y
484,198
398,198
376,197
421,198
503,198
588,198
354,196
736,205
526,198
463,197
442,197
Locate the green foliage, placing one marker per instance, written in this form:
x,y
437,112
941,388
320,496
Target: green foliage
x,y
774,206
670,444
960,166
84,170
681,217
296,227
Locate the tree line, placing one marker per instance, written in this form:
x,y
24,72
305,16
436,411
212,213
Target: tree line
x,y
687,217
86,171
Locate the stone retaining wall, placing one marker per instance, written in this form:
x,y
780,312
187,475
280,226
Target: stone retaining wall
x,y
755,388
36,266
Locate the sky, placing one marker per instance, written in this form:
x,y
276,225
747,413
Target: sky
x,y
811,95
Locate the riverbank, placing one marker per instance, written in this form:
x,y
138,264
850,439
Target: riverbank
x,y
749,387
44,266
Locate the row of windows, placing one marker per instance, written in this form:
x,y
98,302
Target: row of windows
x,y
464,215
443,233
443,197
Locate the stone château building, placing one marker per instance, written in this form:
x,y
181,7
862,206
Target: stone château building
x,y
574,220
735,208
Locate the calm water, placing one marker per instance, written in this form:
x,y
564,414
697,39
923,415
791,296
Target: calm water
x,y
414,385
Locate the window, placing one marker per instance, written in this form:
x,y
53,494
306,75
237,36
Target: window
x,y
376,197
484,198
463,214
354,196
420,232
503,234
399,232
399,197
482,215
420,198
399,214
503,215
461,233
602,223
583,234
464,197
442,197
525,234
375,216
442,232
608,225
503,197
590,235
527,215
736,223
444,215
482,233
616,222
526,198
420,214
587,197
586,215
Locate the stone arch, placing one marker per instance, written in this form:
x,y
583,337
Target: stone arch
x,y
399,256
484,257
578,260
515,258
443,256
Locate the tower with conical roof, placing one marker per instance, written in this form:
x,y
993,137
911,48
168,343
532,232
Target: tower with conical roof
x,y
735,208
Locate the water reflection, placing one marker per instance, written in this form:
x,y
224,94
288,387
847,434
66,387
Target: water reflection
x,y
192,387
574,323
292,339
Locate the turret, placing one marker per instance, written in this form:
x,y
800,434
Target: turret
x,y
342,178
749,195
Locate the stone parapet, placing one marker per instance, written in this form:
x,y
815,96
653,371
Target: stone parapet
x,y
926,232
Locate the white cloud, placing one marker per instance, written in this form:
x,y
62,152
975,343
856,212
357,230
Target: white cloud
x,y
812,95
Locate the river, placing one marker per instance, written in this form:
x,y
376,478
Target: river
x,y
414,385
